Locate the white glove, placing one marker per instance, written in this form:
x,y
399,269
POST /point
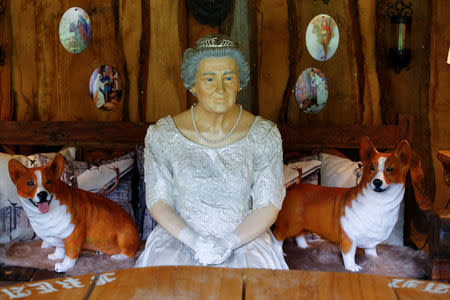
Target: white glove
x,y
215,250
188,237
197,243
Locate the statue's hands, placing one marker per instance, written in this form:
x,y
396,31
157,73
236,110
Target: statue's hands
x,y
213,250
191,239
204,248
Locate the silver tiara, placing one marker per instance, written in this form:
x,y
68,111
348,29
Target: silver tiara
x,y
216,42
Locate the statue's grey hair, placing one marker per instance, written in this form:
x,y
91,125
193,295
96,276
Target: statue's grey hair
x,y
211,45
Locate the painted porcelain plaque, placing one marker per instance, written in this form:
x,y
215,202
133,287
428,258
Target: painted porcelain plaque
x,y
105,87
322,37
75,30
311,91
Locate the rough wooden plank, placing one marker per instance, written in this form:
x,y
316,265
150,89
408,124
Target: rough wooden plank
x,y
144,57
268,284
63,77
95,134
24,72
341,70
106,134
130,27
367,21
293,62
273,52
172,283
165,91
302,138
69,288
5,68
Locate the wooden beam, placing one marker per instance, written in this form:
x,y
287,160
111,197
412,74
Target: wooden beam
x,y
95,134
347,137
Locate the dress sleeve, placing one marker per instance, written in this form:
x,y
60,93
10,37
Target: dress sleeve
x,y
157,171
268,175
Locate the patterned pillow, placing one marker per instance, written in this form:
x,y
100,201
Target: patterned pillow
x,y
14,223
101,176
338,171
144,220
310,165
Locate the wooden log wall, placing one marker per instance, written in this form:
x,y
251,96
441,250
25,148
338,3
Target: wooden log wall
x,y
144,40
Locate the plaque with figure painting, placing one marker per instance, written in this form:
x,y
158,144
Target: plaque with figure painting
x,y
322,37
311,91
75,30
105,87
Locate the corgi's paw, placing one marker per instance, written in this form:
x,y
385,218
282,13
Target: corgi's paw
x,y
58,254
301,241
45,244
65,265
119,256
371,252
353,267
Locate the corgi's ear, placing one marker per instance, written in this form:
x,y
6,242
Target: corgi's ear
x,y
366,149
16,170
57,165
403,152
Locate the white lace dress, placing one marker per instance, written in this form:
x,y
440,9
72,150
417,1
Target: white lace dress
x,y
213,190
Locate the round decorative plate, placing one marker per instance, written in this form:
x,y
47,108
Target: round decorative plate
x,y
75,30
105,87
322,37
311,91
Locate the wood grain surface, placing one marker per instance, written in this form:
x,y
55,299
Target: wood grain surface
x,y
185,282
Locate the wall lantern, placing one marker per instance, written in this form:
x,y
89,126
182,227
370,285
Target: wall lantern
x,y
399,54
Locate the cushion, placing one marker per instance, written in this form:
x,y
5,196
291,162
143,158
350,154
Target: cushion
x,y
307,167
123,194
337,171
14,223
100,176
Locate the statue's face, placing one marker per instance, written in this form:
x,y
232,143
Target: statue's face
x,y
217,84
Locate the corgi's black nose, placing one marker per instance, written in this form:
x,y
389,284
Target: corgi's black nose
x,y
377,183
42,196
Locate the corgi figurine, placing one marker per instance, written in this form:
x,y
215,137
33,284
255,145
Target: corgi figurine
x,y
72,219
359,217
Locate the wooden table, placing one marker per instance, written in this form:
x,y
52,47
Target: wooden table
x,y
220,283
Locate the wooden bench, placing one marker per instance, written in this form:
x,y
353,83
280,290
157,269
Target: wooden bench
x,y
112,135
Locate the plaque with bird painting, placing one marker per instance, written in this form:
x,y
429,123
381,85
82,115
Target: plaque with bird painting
x,y
311,91
105,87
75,30
322,37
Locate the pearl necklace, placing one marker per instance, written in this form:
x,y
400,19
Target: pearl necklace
x,y
222,138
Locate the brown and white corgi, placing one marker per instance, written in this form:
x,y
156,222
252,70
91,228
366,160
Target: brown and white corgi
x,y
72,219
359,217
